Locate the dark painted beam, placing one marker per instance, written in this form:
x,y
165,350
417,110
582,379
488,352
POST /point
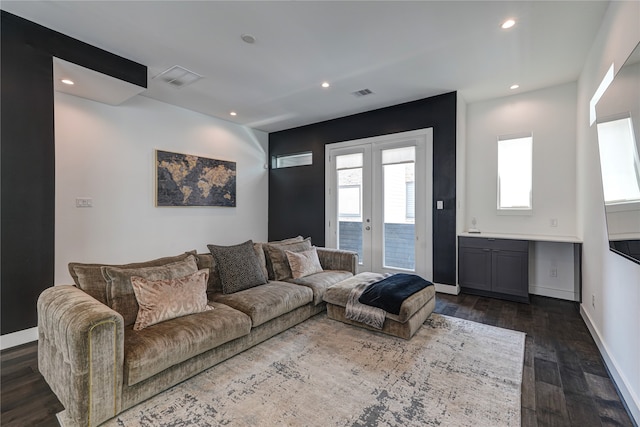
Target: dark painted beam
x,y
27,157
64,47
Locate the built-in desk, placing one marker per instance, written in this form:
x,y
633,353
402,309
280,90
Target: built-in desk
x,y
512,266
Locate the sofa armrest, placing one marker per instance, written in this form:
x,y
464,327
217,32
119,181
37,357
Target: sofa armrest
x,y
337,259
81,353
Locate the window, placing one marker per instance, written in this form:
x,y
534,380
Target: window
x,y
398,166
291,160
515,167
411,199
349,200
619,161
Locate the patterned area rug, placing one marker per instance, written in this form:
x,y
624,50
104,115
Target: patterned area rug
x,y
453,372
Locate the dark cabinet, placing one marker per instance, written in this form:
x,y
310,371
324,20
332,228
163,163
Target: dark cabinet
x,y
494,267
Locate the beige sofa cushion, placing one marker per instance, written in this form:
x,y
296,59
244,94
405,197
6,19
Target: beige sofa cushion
x,y
266,302
320,282
120,295
166,344
89,278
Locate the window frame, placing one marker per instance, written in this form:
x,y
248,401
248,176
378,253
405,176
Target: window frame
x,y
512,210
275,159
619,205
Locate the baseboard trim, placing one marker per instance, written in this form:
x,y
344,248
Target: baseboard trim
x,y
18,338
553,293
629,399
447,289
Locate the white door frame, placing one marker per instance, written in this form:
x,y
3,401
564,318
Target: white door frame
x,y
423,140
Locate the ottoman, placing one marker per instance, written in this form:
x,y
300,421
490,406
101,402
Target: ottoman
x,y
413,311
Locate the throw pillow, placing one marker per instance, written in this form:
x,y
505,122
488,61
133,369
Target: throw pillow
x,y
120,294
239,267
277,259
304,263
90,279
207,261
161,300
285,241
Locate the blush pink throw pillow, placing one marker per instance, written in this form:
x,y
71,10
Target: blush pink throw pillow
x,y
161,300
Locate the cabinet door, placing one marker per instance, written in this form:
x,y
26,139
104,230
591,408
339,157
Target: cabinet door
x,y
475,268
510,272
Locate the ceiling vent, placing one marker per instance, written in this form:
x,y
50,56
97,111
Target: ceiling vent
x,y
362,92
178,76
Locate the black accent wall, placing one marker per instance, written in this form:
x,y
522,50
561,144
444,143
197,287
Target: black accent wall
x,y
297,195
27,156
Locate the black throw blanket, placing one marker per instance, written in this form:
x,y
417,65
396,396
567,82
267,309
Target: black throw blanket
x,y
389,293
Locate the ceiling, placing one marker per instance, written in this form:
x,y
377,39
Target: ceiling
x,y
401,51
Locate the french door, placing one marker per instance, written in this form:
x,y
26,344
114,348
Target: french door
x,y
378,203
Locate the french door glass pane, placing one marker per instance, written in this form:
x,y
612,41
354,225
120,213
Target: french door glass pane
x,y
399,212
350,202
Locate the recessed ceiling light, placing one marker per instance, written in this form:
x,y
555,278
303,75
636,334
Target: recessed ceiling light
x,y
325,84
508,24
67,81
248,38
512,87
233,113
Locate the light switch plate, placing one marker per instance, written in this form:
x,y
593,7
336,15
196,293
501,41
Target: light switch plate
x,y
84,202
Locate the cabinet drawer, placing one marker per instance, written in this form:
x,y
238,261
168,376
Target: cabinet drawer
x,y
494,244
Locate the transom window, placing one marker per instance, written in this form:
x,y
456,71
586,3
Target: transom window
x,y
291,160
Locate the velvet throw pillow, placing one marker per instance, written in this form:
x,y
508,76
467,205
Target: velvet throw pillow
x,y
304,263
277,259
161,300
239,267
90,279
120,294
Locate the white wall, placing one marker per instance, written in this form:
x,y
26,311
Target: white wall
x,y
107,153
613,281
552,271
550,115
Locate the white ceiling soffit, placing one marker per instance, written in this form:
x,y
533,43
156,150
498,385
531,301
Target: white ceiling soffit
x,y
91,84
400,50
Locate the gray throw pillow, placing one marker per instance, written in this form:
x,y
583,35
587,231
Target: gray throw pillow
x,y
277,258
120,294
239,267
90,279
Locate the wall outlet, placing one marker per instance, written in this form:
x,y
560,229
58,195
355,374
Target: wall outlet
x,y
84,202
593,301
553,222
553,272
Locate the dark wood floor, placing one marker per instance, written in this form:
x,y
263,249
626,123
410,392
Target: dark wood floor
x,y
565,382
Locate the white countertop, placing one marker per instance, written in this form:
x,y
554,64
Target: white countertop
x,y
532,237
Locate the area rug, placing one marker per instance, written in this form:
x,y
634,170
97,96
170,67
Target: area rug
x,y
453,372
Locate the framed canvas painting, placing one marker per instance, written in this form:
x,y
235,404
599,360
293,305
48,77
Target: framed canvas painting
x,y
187,180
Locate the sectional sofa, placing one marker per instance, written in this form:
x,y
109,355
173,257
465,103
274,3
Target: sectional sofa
x,y
122,334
